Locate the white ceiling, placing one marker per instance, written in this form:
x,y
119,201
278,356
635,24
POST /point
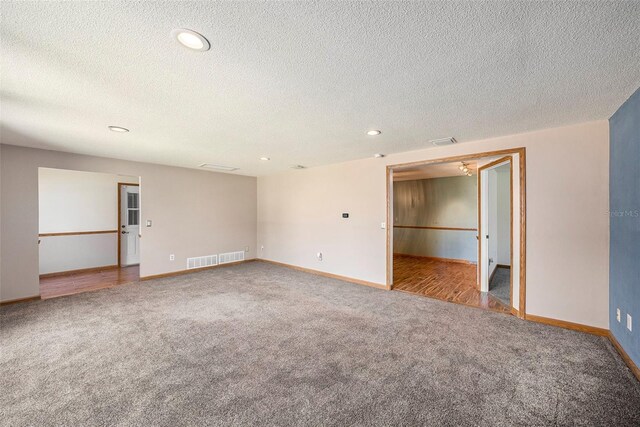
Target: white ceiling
x,y
302,82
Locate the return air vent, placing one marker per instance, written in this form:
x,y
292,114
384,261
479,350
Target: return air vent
x,y
231,257
443,141
202,261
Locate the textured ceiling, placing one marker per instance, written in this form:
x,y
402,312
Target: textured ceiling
x,y
302,82
433,170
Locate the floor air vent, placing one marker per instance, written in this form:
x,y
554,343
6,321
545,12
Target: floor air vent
x,y
202,261
231,257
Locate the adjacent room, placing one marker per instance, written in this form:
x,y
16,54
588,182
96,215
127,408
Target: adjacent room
x,y
89,231
287,213
452,231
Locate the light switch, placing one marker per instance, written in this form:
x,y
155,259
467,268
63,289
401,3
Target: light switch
x,y
148,223
383,225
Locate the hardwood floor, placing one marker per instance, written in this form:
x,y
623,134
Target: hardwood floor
x,y
444,280
74,283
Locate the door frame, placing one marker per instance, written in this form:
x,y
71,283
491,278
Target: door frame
x,y
521,152
120,185
481,169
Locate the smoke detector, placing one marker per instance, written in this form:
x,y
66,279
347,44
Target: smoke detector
x,y
443,141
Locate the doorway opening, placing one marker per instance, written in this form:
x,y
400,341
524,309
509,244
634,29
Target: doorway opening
x,y
79,231
495,213
457,229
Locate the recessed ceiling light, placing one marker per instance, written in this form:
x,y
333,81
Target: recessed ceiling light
x,y
264,159
374,132
378,155
191,39
118,129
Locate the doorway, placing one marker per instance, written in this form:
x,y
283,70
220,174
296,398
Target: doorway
x,y
128,224
444,273
495,229
79,231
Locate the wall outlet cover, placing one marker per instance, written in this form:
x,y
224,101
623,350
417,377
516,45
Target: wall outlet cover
x,y
172,257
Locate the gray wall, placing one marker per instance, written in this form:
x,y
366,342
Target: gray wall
x,y
436,202
194,213
624,206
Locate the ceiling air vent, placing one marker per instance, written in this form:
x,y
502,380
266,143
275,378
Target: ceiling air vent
x,y
443,141
218,167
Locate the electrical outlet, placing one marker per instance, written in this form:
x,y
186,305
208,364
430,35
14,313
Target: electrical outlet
x,y
618,315
246,249
172,257
628,321
319,255
262,248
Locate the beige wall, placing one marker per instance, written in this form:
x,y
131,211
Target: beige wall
x,y
194,213
299,214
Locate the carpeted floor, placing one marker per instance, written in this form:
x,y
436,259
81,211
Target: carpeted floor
x,y
257,344
500,286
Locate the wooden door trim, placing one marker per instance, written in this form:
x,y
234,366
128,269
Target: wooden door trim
x,y
120,185
521,152
428,227
76,233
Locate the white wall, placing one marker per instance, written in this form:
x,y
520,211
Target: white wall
x,y
193,212
73,201
567,226
492,200
503,175
65,253
499,216
78,201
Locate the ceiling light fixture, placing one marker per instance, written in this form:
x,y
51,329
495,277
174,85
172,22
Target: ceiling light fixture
x,y
118,129
374,132
264,159
191,39
465,169
378,155
218,167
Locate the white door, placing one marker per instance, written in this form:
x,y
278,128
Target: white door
x,y
129,225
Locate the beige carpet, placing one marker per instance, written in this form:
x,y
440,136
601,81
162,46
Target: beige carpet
x,y
256,344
